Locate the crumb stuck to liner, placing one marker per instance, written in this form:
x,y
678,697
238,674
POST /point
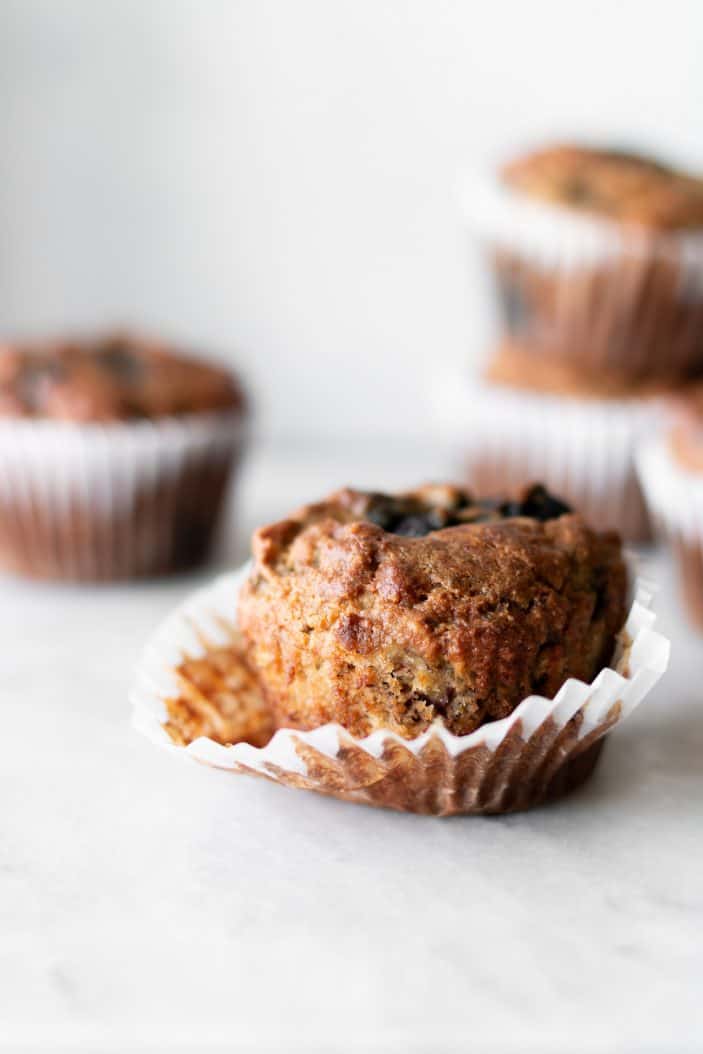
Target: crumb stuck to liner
x,y
675,498
219,697
590,290
583,449
543,750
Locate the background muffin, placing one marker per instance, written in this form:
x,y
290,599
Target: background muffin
x,y
116,454
388,612
598,259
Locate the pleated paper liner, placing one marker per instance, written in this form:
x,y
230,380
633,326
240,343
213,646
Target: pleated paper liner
x,y
582,449
185,686
99,502
675,499
597,293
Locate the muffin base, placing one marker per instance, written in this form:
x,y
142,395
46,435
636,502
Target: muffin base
x,y
103,503
596,293
543,750
168,528
629,315
520,774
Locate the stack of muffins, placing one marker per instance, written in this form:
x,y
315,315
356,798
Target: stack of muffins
x,y
115,456
596,259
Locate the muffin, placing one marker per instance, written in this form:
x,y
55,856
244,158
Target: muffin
x,y
390,612
671,469
531,418
597,257
372,628
115,457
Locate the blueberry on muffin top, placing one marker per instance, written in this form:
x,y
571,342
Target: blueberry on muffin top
x,y
624,186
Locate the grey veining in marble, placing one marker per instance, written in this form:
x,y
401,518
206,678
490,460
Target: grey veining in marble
x,y
149,904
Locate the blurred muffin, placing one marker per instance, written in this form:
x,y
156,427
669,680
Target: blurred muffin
x,y
598,259
116,454
671,469
513,366
388,612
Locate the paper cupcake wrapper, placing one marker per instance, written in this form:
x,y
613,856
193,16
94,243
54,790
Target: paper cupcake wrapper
x,y
581,449
101,502
675,499
542,750
590,290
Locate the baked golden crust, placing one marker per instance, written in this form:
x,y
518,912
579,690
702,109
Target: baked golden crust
x,y
626,187
112,378
347,621
517,365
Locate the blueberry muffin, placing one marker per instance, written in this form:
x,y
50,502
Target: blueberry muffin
x,y
116,455
389,612
597,257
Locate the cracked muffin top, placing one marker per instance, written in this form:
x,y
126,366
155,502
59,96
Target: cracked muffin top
x,y
622,186
381,611
513,365
112,378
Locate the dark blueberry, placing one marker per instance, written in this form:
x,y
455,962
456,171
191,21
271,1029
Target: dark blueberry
x,y
512,301
542,505
121,362
407,517
382,510
537,503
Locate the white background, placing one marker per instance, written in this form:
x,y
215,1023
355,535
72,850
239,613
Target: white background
x,y
276,181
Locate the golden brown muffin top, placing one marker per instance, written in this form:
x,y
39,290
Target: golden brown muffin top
x,y
625,187
516,367
422,513
112,378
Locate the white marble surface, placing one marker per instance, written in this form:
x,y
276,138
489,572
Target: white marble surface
x,y
148,904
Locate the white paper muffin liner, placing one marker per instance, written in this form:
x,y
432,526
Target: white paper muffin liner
x,y
556,236
541,750
104,501
587,289
581,449
675,499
